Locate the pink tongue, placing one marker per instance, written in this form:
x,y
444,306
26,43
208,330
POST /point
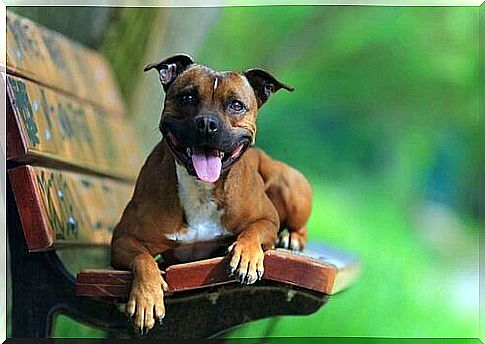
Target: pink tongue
x,y
207,166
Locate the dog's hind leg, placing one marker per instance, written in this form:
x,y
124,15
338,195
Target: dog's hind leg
x,y
291,195
293,239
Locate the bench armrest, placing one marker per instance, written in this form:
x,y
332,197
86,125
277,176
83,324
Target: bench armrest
x,y
319,268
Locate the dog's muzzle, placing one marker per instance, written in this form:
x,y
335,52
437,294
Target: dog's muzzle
x,y
204,145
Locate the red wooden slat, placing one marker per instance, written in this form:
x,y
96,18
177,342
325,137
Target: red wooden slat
x,y
59,209
198,274
280,266
300,271
101,276
36,229
101,290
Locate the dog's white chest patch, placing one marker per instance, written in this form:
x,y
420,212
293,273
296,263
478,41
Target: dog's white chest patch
x,y
200,208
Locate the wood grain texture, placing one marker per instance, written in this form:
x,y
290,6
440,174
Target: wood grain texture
x,y
59,208
33,217
51,59
316,272
44,125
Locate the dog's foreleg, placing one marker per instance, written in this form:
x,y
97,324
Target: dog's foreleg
x,y
247,254
145,303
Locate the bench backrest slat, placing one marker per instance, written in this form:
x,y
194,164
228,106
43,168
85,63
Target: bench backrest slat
x,y
59,208
72,153
53,128
47,57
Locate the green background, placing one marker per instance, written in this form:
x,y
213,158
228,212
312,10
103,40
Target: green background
x,y
384,123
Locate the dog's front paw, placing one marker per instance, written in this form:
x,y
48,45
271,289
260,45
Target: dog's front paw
x,y
246,261
146,303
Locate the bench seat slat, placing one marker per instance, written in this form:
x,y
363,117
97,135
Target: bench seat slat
x,y
60,209
51,59
47,127
105,291
318,270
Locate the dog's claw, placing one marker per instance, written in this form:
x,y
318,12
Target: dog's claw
x,y
247,279
246,263
285,240
160,320
240,277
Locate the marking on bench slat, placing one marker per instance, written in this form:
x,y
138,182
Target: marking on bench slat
x,y
80,207
51,59
58,127
24,109
72,212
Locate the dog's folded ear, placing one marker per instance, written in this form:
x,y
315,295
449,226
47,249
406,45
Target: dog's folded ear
x,y
170,68
264,84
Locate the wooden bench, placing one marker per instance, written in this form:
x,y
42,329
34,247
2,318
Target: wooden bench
x,y
72,158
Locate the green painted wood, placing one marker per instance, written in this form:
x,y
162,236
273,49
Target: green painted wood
x,y
59,208
51,128
51,59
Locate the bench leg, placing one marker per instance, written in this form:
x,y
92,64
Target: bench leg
x,y
30,322
31,297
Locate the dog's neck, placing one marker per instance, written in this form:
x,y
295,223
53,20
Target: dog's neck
x,y
188,184
200,207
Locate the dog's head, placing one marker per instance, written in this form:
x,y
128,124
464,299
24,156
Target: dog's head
x,y
209,117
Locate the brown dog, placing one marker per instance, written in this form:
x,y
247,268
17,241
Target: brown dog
x,y
203,185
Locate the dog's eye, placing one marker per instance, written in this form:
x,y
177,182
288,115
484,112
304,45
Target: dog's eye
x,y
187,99
236,106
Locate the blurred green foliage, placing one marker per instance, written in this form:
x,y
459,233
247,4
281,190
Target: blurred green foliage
x,y
382,92
125,43
384,122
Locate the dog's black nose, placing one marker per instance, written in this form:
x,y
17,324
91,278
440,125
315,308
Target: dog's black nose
x,y
207,125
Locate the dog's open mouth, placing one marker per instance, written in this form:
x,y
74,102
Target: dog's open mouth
x,y
206,163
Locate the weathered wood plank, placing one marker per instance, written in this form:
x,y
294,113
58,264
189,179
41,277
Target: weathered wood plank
x,y
44,124
318,270
59,208
51,59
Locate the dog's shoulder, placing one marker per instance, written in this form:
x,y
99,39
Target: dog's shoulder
x,y
244,182
157,180
245,198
